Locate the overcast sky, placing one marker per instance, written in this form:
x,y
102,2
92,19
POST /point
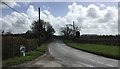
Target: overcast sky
x,y
94,17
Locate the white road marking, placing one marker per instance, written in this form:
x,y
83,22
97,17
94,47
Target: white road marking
x,y
98,62
50,51
101,62
88,65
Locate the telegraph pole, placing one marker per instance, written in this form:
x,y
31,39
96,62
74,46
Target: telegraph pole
x,y
73,28
40,24
73,25
39,36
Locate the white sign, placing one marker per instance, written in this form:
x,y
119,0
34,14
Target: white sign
x,y
22,50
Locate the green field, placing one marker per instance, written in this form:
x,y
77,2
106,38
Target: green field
x,y
104,50
29,56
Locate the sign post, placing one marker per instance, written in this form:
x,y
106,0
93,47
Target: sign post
x,y
22,50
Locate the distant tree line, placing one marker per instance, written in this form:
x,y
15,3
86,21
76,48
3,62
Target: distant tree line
x,y
99,39
70,31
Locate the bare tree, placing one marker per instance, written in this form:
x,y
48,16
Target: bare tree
x,y
70,30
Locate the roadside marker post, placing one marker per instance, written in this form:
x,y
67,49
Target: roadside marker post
x,y
22,50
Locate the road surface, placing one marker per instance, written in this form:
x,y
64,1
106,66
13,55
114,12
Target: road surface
x,y
75,58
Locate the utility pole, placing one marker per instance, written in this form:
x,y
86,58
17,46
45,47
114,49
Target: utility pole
x,y
73,25
75,31
40,27
74,28
39,16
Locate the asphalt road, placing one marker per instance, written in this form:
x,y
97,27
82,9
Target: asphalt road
x,y
75,58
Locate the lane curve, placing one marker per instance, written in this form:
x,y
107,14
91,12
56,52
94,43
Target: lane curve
x,y
76,58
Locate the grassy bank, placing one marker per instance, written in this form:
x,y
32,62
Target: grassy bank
x,y
29,56
103,50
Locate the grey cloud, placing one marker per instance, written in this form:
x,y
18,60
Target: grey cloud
x,y
91,12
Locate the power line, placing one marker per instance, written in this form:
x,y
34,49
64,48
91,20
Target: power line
x,y
14,9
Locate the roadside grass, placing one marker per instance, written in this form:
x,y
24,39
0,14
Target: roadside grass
x,y
103,50
29,56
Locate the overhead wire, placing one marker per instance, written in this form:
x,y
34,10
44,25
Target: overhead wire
x,y
14,9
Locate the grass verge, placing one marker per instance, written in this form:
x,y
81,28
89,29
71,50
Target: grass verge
x,y
103,50
29,56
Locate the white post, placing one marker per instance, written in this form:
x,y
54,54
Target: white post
x,y
23,53
22,50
